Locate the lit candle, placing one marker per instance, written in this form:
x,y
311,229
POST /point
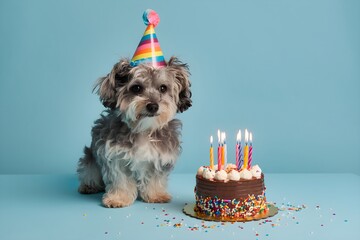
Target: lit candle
x,y
224,150
246,150
250,151
219,150
211,153
238,150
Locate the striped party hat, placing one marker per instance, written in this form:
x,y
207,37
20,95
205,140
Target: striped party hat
x,y
148,50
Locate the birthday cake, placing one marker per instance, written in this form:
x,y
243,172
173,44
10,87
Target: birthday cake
x,y
230,191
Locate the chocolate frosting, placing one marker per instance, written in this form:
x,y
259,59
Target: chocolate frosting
x,y
231,189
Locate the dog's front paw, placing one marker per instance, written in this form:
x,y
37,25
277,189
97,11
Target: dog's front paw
x,y
158,198
116,200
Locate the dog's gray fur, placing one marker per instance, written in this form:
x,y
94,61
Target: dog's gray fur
x,y
134,147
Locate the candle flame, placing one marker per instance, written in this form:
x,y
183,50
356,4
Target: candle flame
x,y
223,137
238,136
219,137
211,139
250,137
246,136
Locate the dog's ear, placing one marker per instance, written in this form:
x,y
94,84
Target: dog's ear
x,y
182,75
106,87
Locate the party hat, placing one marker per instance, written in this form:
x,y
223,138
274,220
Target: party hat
x,y
148,50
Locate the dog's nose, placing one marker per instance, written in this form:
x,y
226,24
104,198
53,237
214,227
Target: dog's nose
x,y
152,107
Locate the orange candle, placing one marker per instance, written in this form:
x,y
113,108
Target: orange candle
x,y
211,154
246,150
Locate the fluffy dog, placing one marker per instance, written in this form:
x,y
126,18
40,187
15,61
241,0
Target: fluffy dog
x,y
135,143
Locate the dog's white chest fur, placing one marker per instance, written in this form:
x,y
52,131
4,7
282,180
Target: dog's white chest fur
x,y
147,150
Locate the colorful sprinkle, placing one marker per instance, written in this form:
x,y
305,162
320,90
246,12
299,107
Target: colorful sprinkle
x,y
218,207
178,225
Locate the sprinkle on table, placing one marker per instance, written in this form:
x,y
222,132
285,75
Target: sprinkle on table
x,y
178,225
288,217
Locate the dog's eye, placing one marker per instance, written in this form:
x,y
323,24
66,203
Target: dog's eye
x,y
136,89
163,88
120,80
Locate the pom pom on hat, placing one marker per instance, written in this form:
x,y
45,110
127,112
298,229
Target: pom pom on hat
x,y
151,17
148,50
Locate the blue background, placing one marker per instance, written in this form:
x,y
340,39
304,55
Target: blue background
x,y
289,71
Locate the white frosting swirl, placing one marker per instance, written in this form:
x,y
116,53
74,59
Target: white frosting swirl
x,y
221,175
208,173
230,174
256,171
245,174
234,175
200,171
230,166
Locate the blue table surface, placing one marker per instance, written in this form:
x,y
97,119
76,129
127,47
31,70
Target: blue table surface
x,y
312,206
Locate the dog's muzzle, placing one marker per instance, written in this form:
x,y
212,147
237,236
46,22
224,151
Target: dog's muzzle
x,y
152,108
151,111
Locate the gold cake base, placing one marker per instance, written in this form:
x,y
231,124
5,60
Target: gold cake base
x,y
189,210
